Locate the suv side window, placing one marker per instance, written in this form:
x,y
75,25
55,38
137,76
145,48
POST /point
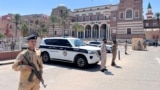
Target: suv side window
x,y
51,41
63,42
48,41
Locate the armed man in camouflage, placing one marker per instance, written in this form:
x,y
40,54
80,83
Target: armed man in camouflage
x,y
29,80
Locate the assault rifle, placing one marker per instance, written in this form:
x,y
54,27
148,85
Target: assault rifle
x,y
34,71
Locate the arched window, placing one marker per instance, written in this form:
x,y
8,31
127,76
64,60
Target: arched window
x,y
97,17
90,18
129,14
83,18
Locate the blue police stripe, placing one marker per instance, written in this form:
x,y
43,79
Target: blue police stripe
x,y
64,48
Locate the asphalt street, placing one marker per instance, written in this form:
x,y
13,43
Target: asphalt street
x,y
140,70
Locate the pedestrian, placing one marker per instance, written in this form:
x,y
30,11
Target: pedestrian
x,y
114,52
139,45
1,46
103,56
145,45
125,46
156,42
12,45
29,79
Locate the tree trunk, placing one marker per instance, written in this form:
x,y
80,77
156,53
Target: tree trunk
x,y
77,33
16,31
53,29
53,32
64,29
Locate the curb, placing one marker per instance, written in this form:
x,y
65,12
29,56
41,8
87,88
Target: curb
x,y
6,62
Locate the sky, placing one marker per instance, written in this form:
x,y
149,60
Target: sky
x,y
25,7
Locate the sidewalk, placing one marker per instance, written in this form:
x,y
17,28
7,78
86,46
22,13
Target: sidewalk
x,y
6,62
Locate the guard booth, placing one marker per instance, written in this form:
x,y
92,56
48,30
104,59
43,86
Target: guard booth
x,y
137,44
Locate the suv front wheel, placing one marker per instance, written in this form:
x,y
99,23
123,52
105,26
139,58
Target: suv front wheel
x,y
81,62
45,57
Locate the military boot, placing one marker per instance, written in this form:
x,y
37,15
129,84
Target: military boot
x,y
113,64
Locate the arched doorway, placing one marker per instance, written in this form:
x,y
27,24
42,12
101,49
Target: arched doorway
x,y
80,34
95,31
103,31
88,31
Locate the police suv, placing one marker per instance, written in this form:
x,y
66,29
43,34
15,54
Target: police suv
x,y
71,50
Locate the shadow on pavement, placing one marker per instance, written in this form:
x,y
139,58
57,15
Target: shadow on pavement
x,y
127,54
118,67
108,73
141,50
90,68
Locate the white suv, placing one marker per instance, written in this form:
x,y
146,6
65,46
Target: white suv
x,y
71,50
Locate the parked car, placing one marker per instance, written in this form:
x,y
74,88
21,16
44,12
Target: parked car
x,y
108,48
149,42
94,43
158,43
99,43
71,50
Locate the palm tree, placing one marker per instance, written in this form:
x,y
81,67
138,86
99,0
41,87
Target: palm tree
x,y
77,28
43,29
63,18
17,21
54,20
25,29
1,35
37,26
36,23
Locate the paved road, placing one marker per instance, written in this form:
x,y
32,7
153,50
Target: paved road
x,y
140,70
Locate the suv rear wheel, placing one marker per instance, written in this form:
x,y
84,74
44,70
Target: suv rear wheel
x,y
81,62
45,57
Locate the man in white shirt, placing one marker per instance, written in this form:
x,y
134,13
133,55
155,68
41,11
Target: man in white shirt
x,y
103,56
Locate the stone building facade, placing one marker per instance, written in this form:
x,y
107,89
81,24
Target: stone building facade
x,y
62,25
8,27
34,22
122,21
151,25
127,20
95,20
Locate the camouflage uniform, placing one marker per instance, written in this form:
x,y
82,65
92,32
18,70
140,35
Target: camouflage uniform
x,y
145,45
20,64
114,53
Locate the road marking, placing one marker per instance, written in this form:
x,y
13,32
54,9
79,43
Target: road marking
x,y
158,59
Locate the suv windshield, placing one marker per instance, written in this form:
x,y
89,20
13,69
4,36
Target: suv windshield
x,y
77,42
